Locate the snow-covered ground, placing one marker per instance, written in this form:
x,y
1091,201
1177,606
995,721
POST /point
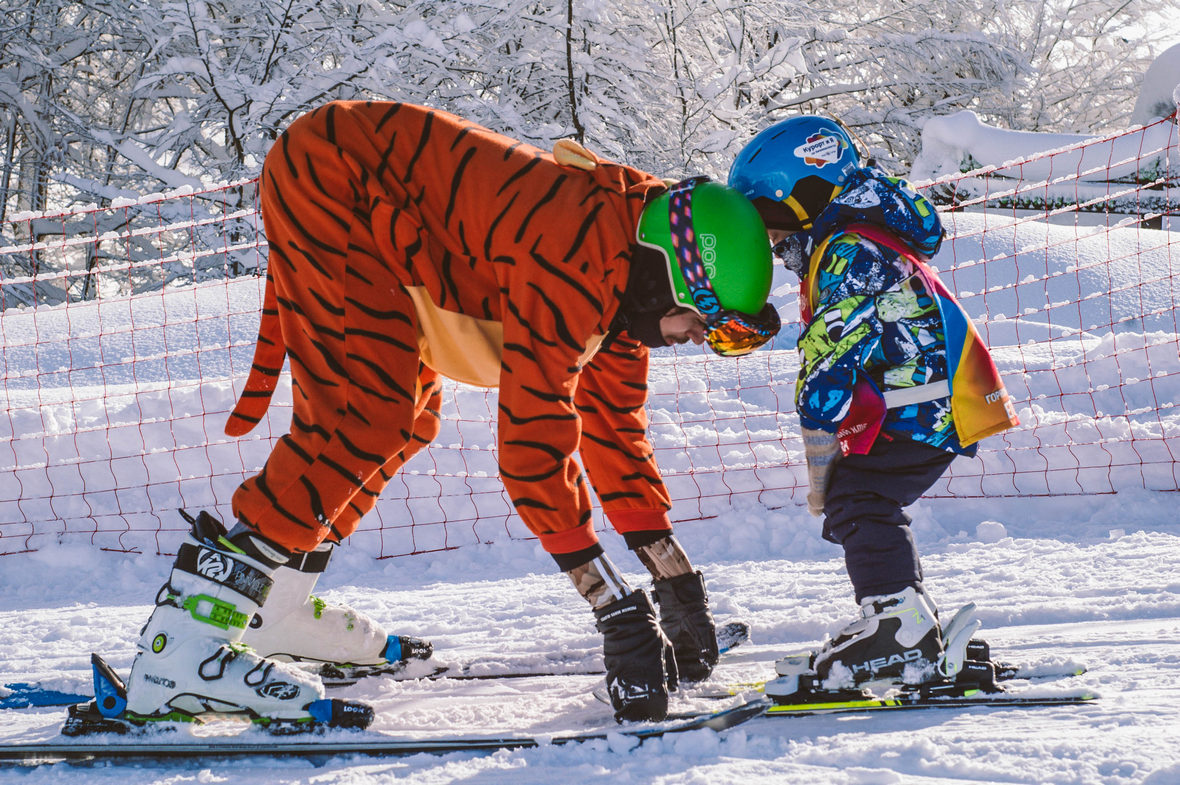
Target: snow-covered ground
x,y
1059,580
1085,580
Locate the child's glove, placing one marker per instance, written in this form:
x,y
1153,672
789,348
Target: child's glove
x,y
822,450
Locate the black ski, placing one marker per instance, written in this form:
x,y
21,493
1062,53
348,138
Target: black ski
x,y
1004,672
976,683
729,636
154,745
1000,672
843,704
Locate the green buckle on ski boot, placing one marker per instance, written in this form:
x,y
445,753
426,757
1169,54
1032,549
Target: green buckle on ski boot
x,y
222,615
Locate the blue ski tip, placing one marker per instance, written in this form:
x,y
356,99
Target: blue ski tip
x,y
25,695
732,634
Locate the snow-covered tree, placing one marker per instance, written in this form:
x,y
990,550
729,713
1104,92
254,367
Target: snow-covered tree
x,y
104,100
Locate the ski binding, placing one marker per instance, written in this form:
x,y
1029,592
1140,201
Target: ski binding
x,y
965,675
108,713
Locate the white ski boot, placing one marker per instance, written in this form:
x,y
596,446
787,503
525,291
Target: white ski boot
x,y
897,637
962,658
190,660
296,626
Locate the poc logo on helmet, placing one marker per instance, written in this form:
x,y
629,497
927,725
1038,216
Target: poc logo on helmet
x,y
214,566
708,246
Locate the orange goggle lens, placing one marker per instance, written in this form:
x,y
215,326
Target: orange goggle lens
x,y
733,333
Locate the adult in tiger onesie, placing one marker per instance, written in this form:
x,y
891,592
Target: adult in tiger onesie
x,y
407,244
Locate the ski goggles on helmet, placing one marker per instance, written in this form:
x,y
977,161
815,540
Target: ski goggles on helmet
x,y
733,333
728,332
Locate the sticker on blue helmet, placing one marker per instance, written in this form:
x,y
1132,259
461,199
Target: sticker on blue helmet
x,y
821,148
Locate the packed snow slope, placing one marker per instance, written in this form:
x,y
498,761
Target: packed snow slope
x,y
1071,580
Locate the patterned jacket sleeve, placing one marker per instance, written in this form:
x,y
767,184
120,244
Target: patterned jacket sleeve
x,y
844,332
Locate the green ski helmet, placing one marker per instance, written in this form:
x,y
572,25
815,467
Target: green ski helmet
x,y
719,260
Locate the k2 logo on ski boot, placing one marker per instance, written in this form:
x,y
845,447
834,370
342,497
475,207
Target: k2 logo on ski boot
x,y
214,566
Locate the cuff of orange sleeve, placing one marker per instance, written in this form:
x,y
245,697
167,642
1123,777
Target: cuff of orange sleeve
x,y
569,541
634,520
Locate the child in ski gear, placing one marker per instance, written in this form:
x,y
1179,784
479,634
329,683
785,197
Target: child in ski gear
x,y
408,244
894,380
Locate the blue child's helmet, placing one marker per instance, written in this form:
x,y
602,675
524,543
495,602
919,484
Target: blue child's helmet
x,y
793,169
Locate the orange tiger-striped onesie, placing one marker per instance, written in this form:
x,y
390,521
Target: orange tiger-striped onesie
x,y
407,243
